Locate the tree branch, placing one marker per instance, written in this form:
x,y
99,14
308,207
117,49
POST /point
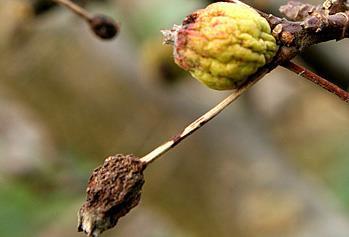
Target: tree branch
x,y
318,24
307,74
198,123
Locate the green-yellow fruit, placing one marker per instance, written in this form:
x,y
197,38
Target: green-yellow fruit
x,y
223,44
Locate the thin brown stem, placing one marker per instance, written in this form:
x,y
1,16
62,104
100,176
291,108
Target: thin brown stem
x,y
76,9
191,128
307,74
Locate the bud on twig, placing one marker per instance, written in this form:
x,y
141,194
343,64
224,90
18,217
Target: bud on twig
x,y
104,27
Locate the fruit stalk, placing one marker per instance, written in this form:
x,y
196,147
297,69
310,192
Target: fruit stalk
x,y
198,123
75,8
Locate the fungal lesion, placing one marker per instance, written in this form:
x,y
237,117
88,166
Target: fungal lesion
x,y
112,191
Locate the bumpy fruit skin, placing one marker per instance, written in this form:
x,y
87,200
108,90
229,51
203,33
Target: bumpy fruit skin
x,y
223,44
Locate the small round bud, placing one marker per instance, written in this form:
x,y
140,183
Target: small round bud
x,y
113,190
223,44
104,27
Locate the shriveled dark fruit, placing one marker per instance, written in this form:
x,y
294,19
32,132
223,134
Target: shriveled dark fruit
x,y
104,27
113,190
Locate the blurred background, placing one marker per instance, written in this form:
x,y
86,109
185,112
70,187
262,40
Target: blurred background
x,y
276,163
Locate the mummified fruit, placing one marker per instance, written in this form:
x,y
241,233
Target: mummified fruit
x,y
223,44
113,190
